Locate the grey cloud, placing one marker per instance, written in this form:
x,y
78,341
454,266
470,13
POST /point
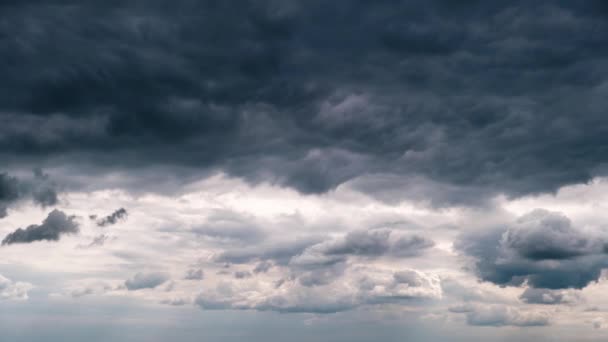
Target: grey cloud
x,y
56,224
38,188
143,280
113,218
541,248
282,93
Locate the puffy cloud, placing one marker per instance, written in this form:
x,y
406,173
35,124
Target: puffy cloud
x,y
10,290
143,280
52,228
113,218
541,248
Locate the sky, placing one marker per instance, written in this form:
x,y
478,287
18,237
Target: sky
x,y
290,170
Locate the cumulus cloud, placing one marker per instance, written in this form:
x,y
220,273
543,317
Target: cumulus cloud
x,y
541,248
143,280
11,290
113,218
52,228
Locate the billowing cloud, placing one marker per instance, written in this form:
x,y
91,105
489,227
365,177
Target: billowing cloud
x,y
143,280
265,92
56,224
541,248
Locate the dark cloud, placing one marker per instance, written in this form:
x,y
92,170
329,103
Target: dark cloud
x,y
541,248
52,228
113,218
473,99
39,189
143,280
9,192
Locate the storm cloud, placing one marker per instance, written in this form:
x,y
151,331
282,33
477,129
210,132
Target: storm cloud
x,y
55,225
354,162
310,94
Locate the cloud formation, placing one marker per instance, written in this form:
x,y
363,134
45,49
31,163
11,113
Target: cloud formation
x,y
264,91
541,248
359,287
55,225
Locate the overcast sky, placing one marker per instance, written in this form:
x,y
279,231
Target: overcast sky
x,y
313,170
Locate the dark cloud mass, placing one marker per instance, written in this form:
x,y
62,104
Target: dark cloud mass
x,y
52,228
113,218
38,189
490,97
541,248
